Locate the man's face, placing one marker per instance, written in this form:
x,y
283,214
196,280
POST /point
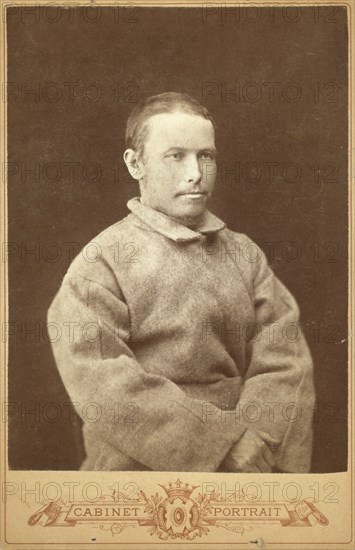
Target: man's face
x,y
178,164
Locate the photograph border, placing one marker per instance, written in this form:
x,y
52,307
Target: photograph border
x,y
16,515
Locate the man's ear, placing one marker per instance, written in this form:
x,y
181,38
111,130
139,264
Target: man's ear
x,y
133,164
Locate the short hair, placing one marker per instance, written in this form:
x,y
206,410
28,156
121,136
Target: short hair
x,y
167,102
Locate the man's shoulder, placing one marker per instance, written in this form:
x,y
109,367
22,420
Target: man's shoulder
x,y
248,256
101,252
121,229
242,238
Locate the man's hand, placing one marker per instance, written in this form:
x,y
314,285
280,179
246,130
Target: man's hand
x,y
249,454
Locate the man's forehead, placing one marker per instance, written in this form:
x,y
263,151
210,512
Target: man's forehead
x,y
181,129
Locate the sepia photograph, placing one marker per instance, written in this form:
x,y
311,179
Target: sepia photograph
x,y
176,251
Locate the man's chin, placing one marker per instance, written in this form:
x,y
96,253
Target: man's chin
x,y
191,216
192,206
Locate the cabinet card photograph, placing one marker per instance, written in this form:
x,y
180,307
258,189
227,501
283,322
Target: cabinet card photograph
x,y
177,251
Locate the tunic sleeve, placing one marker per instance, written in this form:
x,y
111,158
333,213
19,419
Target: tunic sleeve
x,y
277,400
97,366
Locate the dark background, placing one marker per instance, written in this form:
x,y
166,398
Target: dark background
x,y
132,53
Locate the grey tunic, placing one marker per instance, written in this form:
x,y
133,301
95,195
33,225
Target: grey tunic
x,y
176,341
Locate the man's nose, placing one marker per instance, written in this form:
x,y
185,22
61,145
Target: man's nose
x,y
193,170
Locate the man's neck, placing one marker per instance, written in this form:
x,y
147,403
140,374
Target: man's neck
x,y
192,222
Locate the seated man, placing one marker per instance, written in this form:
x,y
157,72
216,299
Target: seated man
x,y
185,346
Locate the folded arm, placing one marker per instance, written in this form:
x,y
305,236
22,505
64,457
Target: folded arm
x,y
97,365
277,399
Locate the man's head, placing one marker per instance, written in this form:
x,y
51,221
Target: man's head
x,y
171,152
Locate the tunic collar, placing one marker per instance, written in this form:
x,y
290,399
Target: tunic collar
x,y
170,227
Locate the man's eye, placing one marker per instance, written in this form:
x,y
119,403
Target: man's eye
x,y
176,156
207,155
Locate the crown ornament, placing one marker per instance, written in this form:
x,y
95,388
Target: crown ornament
x,y
179,489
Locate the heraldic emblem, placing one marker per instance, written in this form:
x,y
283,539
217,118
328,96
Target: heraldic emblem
x,y
177,514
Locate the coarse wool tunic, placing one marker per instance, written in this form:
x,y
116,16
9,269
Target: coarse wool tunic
x,y
178,341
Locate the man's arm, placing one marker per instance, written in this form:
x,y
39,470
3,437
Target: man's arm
x,y
97,365
277,399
